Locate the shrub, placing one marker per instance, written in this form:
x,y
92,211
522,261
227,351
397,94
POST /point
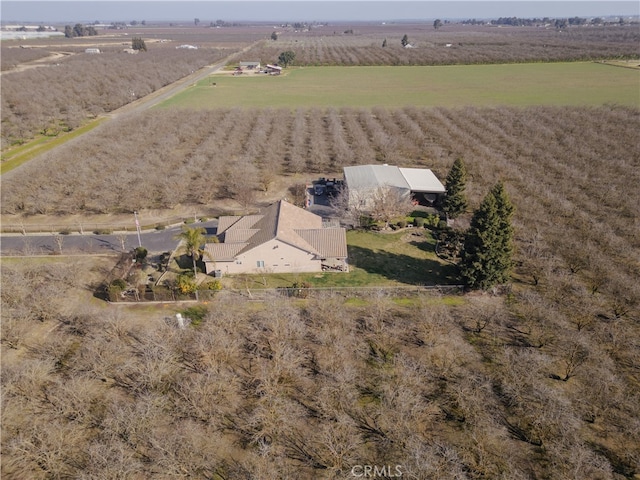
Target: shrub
x,y
186,284
115,288
432,220
102,231
366,221
298,289
141,253
211,286
196,313
402,223
65,231
419,222
119,283
160,226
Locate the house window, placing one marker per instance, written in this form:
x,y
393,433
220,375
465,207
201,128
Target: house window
x,y
260,263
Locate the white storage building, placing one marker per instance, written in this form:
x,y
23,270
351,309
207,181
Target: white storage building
x,y
363,180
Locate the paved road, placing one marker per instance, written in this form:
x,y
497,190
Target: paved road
x,y
152,240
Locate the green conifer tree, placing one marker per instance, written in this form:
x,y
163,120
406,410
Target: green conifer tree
x,y
488,246
137,43
505,213
455,201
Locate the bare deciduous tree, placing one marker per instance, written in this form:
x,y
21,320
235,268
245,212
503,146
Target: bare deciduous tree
x,y
388,203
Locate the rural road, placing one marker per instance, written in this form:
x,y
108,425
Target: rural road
x,y
39,244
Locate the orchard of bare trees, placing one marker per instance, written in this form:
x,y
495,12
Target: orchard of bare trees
x,y
538,382
83,86
453,45
541,383
314,389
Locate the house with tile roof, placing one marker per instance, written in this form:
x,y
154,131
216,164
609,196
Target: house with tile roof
x,y
282,238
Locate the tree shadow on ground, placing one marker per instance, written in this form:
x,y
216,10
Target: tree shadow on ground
x,y
403,268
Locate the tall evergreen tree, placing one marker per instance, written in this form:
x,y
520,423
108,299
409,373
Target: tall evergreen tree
x,y
455,201
137,43
488,246
505,213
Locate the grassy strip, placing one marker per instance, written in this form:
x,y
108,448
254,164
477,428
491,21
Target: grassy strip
x,y
575,83
38,146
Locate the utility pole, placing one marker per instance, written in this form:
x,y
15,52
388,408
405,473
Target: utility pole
x,y
135,215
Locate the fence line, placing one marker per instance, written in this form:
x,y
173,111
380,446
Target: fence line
x,y
261,294
306,292
90,227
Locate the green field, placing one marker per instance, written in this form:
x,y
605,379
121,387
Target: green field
x,y
579,83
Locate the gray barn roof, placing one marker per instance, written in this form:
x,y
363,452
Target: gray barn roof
x,y
373,176
362,177
422,180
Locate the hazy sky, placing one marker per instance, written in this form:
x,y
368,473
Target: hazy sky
x,y
301,10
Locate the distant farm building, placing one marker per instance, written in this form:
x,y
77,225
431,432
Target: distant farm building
x,y
273,69
250,65
281,239
363,181
92,50
187,47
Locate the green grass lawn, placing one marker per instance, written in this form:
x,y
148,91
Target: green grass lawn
x,y
576,83
375,259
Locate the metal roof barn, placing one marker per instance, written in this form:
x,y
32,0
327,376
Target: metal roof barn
x,y
422,180
363,180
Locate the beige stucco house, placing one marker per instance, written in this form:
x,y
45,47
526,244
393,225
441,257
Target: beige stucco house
x,y
281,239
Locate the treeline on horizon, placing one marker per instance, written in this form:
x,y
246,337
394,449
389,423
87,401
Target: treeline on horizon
x,y
556,22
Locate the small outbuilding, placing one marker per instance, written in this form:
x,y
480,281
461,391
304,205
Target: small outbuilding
x,y
92,50
273,69
250,65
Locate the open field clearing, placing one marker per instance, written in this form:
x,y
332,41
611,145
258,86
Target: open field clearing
x,y
449,86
